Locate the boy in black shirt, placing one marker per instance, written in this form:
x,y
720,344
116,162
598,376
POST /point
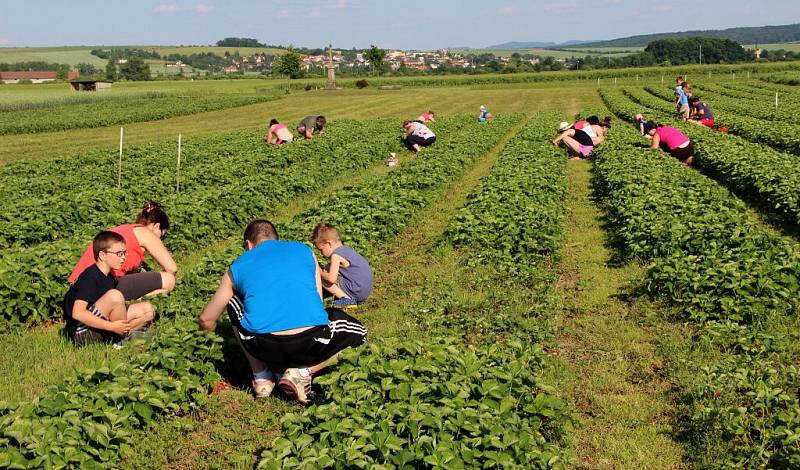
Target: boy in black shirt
x,y
94,310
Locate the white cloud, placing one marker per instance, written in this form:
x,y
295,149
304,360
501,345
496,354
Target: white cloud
x,y
508,10
174,8
203,8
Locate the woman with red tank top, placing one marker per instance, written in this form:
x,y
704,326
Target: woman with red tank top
x,y
141,237
672,140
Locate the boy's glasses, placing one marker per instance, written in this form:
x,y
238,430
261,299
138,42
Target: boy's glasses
x,y
119,254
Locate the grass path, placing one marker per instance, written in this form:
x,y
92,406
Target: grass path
x,y
609,350
235,428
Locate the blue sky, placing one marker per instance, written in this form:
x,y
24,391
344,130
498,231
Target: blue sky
x,y
422,24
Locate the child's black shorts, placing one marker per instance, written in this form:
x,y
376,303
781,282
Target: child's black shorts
x,y
82,335
309,348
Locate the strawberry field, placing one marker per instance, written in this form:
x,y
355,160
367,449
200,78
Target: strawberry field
x,y
474,317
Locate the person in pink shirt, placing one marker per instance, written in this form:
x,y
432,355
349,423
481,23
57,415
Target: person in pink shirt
x,y
278,133
426,117
671,140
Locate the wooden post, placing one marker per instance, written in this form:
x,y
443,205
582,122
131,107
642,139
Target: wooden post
x,y
119,167
748,75
615,80
662,79
178,169
598,81
776,99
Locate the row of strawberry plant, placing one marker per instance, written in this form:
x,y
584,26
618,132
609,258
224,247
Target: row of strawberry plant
x,y
30,290
777,134
753,171
171,361
48,215
441,402
757,107
107,113
736,283
760,97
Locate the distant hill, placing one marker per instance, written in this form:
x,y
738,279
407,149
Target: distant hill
x,y
536,45
748,35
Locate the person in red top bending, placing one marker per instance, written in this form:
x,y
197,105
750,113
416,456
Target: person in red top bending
x,y
141,237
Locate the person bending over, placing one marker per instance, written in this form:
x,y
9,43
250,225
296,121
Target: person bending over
x,y
278,133
273,295
671,140
426,117
94,309
417,135
348,277
577,141
141,237
701,113
311,126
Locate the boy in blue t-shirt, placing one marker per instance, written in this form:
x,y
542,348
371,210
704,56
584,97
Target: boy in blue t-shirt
x,y
94,310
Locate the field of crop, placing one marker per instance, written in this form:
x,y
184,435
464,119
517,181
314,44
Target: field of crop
x,y
82,54
529,311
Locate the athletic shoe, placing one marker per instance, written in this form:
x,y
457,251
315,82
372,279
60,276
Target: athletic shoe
x,y
262,388
296,385
345,302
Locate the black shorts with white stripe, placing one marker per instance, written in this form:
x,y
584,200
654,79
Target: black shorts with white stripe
x,y
82,335
308,348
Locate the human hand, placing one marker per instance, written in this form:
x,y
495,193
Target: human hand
x,y
120,327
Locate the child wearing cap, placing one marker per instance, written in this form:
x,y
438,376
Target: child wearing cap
x,y
578,143
484,115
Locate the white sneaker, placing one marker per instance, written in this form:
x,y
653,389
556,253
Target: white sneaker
x,y
296,385
262,388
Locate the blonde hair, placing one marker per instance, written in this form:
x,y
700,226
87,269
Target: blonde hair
x,y
325,233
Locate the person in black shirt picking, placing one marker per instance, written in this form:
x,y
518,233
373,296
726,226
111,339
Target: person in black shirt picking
x,y
94,310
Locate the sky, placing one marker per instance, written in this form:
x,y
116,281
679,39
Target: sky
x,y
405,24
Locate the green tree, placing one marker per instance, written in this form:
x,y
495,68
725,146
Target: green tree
x,y
375,56
86,70
135,69
111,70
289,64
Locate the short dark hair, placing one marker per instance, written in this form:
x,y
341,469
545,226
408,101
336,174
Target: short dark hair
x,y
650,126
103,241
272,122
320,122
593,120
260,230
153,213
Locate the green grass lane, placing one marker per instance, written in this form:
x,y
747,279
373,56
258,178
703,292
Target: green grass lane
x,y
610,352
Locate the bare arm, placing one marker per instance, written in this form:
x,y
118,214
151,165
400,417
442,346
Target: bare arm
x,y
318,277
656,142
214,308
82,314
157,250
332,274
270,135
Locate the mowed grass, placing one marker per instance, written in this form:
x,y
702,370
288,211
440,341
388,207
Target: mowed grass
x,y
348,103
59,55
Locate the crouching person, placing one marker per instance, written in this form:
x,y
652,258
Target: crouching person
x,y
273,295
94,310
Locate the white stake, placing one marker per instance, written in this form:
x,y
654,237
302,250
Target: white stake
x,y
119,168
662,79
748,75
178,169
615,80
776,99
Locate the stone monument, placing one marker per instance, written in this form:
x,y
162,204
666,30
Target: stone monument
x,y
331,67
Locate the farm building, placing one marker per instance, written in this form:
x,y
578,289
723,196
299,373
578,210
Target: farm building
x,y
35,76
89,85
